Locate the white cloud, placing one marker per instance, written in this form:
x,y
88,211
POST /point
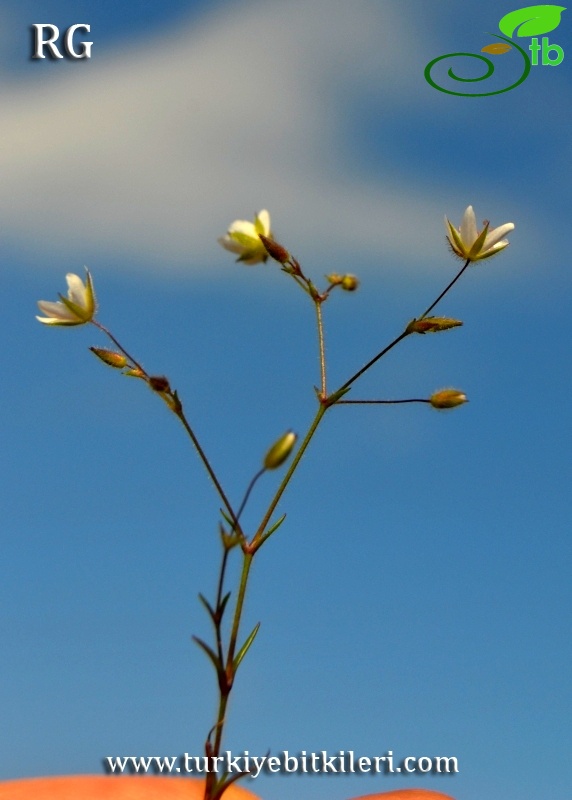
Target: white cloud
x,y
153,150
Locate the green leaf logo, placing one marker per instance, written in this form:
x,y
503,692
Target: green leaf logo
x,y
531,21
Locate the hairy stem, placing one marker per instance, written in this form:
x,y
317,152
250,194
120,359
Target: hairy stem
x,y
320,323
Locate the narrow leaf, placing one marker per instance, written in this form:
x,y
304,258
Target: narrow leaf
x,y
275,526
226,517
223,603
234,529
245,647
225,782
210,653
333,398
271,530
207,605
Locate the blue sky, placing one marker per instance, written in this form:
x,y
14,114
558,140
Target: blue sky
x,y
418,596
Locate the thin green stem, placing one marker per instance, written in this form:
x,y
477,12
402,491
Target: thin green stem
x,y
248,557
246,564
220,589
286,480
320,323
221,716
229,669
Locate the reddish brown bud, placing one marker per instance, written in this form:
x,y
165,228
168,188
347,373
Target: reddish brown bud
x,y
159,384
275,250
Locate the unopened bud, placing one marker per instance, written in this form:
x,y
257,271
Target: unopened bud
x,y
135,373
159,384
335,279
432,324
448,398
110,357
350,283
275,250
280,451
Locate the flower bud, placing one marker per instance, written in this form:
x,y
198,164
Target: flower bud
x,y
275,250
159,384
448,398
335,279
109,357
280,451
432,324
134,373
349,283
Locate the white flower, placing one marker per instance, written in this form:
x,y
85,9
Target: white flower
x,y
473,245
77,309
242,238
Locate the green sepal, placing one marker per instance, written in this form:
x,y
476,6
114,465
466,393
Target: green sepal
x,y
457,237
479,242
80,312
178,406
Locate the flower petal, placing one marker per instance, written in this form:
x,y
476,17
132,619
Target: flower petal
x,y
492,251
497,234
230,244
468,228
262,222
243,227
56,310
76,289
